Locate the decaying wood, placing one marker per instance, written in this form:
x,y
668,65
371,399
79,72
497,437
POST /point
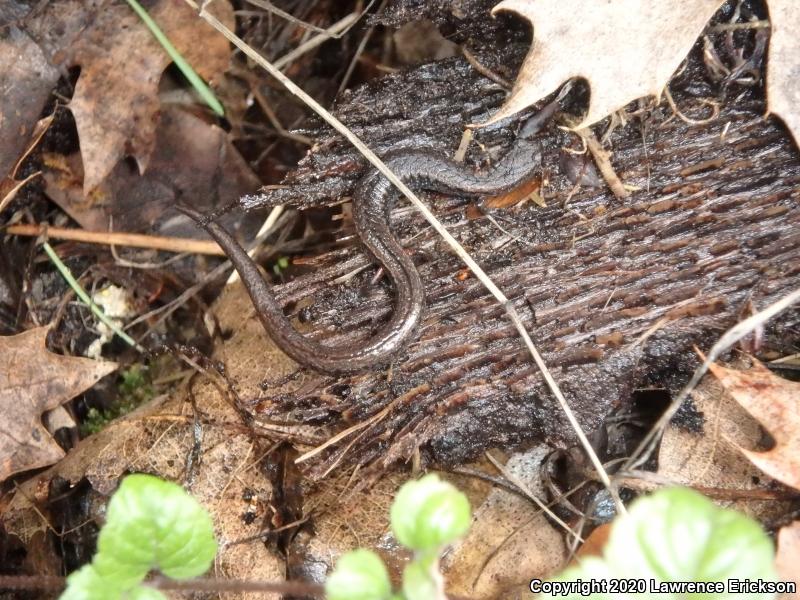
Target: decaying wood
x,y
615,293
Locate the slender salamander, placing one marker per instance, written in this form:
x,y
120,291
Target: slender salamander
x,y
373,200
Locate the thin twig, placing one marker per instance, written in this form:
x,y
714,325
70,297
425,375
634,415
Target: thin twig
x,y
509,308
484,70
602,159
131,240
525,490
688,120
739,26
270,7
317,40
357,54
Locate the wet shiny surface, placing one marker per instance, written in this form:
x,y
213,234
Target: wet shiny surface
x,y
373,201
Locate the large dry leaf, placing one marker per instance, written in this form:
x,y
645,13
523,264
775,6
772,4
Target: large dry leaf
x,y
775,403
788,556
783,64
510,541
191,159
707,457
626,49
116,98
32,381
26,79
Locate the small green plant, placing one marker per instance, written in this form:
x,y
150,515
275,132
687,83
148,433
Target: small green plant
x,y
134,389
674,537
280,266
426,515
669,541
151,524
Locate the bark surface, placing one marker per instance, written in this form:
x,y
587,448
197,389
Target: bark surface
x,y
615,293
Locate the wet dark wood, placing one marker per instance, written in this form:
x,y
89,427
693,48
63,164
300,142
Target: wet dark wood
x,y
615,293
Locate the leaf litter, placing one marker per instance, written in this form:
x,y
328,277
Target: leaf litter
x,y
140,162
628,49
34,380
116,98
775,403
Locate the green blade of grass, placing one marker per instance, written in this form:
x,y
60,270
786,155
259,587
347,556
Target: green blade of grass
x,y
81,293
197,82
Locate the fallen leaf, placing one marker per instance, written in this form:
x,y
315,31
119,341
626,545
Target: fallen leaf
x,y
775,403
192,160
510,540
594,544
26,79
420,41
783,64
788,556
625,49
10,185
706,457
34,380
115,103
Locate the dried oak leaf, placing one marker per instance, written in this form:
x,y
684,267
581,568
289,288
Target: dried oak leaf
x,y
783,64
701,450
115,103
628,49
625,49
788,556
26,80
775,403
32,381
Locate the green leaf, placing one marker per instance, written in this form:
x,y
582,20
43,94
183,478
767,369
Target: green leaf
x,y
428,513
678,535
142,592
154,524
422,581
359,575
87,584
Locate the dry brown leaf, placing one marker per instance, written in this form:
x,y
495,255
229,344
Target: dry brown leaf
x,y
510,541
775,403
32,381
191,159
788,556
626,49
707,458
783,64
159,436
116,98
594,544
26,79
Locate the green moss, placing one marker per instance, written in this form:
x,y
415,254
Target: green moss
x,y
135,387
